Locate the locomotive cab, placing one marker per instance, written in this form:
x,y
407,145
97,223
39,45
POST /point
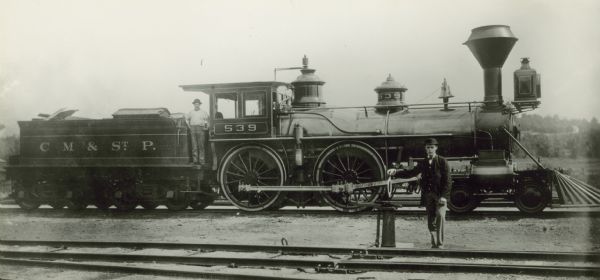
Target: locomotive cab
x,y
240,109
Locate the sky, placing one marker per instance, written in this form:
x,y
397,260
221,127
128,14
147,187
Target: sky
x,y
99,56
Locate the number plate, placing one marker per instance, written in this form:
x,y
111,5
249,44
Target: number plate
x,y
241,128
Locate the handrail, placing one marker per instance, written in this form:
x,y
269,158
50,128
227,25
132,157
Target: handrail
x,y
523,148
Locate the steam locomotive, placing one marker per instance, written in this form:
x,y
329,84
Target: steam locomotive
x,y
273,144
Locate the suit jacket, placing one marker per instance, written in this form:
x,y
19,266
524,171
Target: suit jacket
x,y
435,177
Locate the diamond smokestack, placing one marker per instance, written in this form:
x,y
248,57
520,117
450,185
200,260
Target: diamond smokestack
x,y
491,45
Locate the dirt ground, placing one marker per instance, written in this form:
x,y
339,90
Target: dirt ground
x,y
493,232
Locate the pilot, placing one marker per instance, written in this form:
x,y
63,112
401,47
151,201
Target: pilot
x,y
436,182
198,120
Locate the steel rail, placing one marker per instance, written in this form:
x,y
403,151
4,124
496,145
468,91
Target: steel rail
x,y
369,265
115,268
575,211
386,252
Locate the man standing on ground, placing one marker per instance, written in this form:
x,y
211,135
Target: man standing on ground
x,y
435,189
198,121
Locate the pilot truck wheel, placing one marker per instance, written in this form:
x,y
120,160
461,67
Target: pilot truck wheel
x,y
531,197
462,199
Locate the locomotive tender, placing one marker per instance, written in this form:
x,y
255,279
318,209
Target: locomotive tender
x,y
287,147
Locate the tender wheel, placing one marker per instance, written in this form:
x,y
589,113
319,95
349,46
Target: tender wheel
x,y
531,198
462,199
199,205
27,204
24,197
148,205
77,201
57,205
102,200
76,205
177,204
254,165
125,200
178,201
351,162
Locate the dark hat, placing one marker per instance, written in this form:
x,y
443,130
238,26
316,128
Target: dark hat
x,y
197,101
431,141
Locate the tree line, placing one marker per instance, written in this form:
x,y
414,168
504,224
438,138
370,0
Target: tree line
x,y
552,136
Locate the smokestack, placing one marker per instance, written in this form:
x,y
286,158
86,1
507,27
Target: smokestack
x,y
491,45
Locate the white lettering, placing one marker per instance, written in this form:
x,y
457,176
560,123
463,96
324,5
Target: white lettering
x,y
146,144
252,127
116,146
67,147
228,128
92,146
45,146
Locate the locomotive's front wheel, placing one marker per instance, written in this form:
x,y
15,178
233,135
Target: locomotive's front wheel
x,y
349,162
531,198
462,199
254,165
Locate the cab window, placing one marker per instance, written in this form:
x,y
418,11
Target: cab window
x,y
226,106
254,104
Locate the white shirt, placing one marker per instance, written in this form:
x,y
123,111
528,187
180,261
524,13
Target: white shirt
x,y
199,117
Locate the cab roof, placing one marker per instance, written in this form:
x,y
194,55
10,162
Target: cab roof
x,y
213,88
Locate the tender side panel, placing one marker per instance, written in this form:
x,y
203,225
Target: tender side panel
x,y
107,142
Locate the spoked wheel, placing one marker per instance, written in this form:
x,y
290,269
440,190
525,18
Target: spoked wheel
x,y
257,166
462,199
349,162
531,198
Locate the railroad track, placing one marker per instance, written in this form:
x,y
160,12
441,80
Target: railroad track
x,y
89,256
316,211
